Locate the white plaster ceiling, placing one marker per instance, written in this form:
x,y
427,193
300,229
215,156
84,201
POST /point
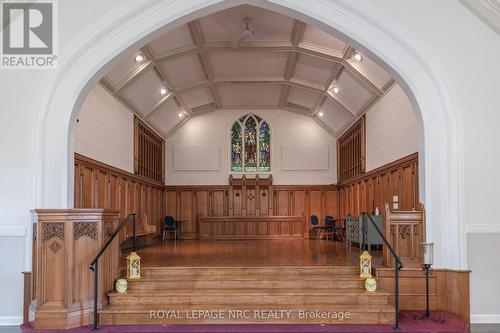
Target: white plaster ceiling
x,y
284,64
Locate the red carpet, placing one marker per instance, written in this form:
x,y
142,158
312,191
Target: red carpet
x,y
452,324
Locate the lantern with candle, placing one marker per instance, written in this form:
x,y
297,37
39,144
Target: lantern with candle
x,y
133,266
365,265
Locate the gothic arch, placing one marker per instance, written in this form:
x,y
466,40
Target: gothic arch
x,y
135,23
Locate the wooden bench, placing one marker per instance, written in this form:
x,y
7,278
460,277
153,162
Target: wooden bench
x,y
142,227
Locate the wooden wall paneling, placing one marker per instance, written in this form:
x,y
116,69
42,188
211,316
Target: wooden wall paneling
x,y
202,207
87,187
263,199
250,199
395,186
331,203
377,187
299,208
282,202
219,203
238,201
98,185
409,184
186,214
449,289
315,203
453,292
113,192
100,189
27,295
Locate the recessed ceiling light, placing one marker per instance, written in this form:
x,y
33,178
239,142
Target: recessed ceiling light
x,y
180,115
139,58
163,91
358,56
336,90
320,114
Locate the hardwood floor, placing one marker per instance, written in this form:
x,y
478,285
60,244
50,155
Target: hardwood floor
x,y
238,253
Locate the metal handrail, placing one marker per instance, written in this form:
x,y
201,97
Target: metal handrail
x,y
397,260
94,264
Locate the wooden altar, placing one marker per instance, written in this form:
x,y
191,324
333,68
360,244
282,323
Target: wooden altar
x,y
250,196
250,213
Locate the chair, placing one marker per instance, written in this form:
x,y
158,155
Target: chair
x,y
329,226
339,231
316,226
170,225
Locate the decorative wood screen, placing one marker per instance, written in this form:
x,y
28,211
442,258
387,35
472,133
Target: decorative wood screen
x,y
149,149
351,151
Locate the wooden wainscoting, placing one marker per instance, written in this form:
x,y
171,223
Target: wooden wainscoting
x,y
375,188
449,289
246,227
65,242
98,185
189,203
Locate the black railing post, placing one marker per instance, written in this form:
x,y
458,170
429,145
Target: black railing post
x,y
362,229
396,293
133,232
397,268
95,268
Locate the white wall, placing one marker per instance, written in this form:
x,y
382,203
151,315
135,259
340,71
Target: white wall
x,y
482,253
391,129
105,130
208,135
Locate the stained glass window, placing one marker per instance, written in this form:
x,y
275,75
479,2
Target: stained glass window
x,y
264,147
236,148
250,145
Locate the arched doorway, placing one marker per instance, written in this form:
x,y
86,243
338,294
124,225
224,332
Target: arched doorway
x,y
439,122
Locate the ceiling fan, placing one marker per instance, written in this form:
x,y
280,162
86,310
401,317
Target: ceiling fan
x,y
245,32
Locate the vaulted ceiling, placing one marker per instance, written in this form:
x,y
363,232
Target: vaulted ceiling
x,y
216,62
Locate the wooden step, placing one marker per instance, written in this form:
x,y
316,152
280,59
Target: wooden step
x,y
217,282
219,314
148,272
185,291
259,297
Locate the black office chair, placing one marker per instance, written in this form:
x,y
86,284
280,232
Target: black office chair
x,y
329,226
170,225
338,231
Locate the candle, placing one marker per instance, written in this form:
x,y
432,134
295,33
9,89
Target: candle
x,y
428,257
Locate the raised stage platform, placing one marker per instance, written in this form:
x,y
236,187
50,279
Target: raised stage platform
x,y
241,253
